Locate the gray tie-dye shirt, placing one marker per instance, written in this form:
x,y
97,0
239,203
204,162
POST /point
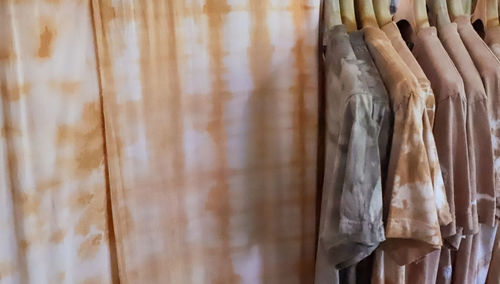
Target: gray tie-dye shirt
x,y
358,129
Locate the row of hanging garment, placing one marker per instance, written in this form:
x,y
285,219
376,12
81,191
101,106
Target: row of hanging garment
x,y
411,192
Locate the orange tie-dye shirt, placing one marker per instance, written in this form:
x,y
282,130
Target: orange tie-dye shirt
x,y
414,198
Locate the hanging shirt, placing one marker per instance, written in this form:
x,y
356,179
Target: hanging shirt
x,y
450,120
425,270
449,125
412,198
385,270
492,39
472,260
392,32
358,129
361,201
478,131
494,272
478,146
489,69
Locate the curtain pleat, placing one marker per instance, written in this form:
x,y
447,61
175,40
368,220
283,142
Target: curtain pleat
x,y
53,201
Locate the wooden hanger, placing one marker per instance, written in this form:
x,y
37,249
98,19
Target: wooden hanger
x,y
382,11
456,8
366,13
492,13
439,11
331,14
420,11
498,10
414,12
348,15
467,6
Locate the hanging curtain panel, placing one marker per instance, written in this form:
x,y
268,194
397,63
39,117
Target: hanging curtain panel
x,y
53,200
211,130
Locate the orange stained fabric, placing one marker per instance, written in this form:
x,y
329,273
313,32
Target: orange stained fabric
x,y
53,207
203,113
488,66
211,126
412,231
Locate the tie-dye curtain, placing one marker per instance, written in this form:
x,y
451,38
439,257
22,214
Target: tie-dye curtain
x,y
158,141
53,200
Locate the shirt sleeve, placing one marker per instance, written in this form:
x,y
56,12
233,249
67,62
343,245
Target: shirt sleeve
x,y
451,142
412,228
358,197
361,198
442,206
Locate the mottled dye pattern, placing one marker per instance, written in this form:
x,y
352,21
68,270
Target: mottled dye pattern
x,y
414,196
488,66
481,167
472,260
492,39
367,157
53,211
358,131
449,127
211,130
394,35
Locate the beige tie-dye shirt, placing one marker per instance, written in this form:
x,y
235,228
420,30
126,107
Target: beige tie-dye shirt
x,y
488,66
449,127
482,176
392,32
471,263
358,130
492,39
415,199
458,105
423,271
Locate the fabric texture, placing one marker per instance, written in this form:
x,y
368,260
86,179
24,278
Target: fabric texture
x,y
386,270
492,39
445,266
482,176
361,201
424,270
413,197
494,272
472,260
393,33
358,124
55,226
489,69
450,132
449,126
193,124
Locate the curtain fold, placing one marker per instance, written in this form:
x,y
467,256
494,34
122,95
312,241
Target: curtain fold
x,y
195,119
53,201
